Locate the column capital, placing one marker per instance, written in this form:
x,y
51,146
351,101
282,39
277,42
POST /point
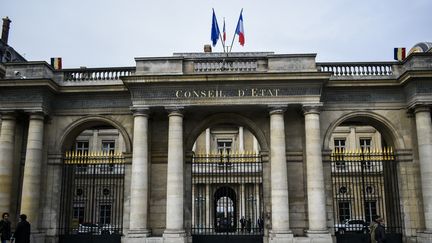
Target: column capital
x,y
278,109
8,115
140,111
422,108
37,115
175,110
311,108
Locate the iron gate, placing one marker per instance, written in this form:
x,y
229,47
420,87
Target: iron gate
x,y
91,207
227,198
365,187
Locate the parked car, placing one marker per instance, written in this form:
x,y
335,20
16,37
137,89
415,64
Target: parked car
x,y
352,225
88,228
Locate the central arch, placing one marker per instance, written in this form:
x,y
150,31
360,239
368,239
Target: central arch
x,y
227,118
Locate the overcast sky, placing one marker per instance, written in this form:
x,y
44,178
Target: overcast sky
x,y
110,33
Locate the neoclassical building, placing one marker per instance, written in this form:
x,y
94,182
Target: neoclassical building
x,y
218,147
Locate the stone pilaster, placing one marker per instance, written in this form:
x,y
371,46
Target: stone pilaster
x,y
140,177
7,142
280,231
31,189
424,140
174,231
315,176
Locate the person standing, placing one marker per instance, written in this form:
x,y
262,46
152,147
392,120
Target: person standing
x,y
372,228
22,231
380,236
5,228
242,223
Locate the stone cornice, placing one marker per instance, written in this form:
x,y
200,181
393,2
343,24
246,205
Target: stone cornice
x,y
231,77
30,83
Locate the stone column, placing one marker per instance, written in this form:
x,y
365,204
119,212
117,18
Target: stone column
x,y
315,174
31,192
174,231
7,142
424,140
241,141
280,231
140,177
207,143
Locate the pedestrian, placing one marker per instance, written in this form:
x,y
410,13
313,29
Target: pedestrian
x,y
22,231
242,223
5,228
260,223
248,225
372,228
380,236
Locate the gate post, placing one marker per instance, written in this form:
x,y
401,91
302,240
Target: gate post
x,y
280,231
315,176
139,181
424,139
174,232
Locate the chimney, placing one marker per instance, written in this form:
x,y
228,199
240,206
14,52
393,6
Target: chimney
x,y
207,48
5,30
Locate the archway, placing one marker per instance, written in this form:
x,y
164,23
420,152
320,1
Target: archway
x,y
93,178
225,209
227,183
364,173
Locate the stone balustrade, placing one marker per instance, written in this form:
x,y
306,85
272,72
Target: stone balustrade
x,y
225,66
95,74
358,69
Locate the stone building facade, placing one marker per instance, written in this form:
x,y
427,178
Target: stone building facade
x,y
165,111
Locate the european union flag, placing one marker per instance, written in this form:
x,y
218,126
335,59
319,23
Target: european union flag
x,y
215,33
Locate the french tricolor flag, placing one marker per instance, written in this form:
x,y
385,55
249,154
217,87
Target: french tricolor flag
x,y
240,30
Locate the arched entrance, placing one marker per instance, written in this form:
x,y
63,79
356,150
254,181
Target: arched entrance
x,y
364,177
92,193
227,189
225,210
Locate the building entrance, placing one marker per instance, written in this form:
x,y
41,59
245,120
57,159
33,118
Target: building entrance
x,y
227,201
365,188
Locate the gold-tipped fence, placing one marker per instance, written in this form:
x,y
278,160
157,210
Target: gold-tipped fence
x,y
235,157
93,157
384,154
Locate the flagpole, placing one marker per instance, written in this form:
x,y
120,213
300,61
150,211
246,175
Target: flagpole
x,y
235,32
222,40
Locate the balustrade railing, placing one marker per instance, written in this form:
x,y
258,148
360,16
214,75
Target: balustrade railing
x,y
225,66
357,69
94,74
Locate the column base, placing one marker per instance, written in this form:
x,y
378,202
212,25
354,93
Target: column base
x,y
138,233
281,237
174,236
424,237
137,236
319,236
37,237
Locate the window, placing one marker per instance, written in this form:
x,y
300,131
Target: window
x,y
343,190
82,147
369,190
370,210
365,144
105,214
108,146
78,213
224,145
344,210
339,144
